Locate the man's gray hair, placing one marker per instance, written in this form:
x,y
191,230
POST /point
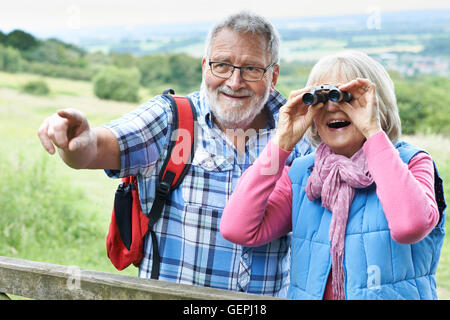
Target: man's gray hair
x,y
248,22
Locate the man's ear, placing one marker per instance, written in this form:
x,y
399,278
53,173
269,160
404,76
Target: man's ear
x,y
204,64
276,73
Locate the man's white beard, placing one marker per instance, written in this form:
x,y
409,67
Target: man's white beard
x,y
238,114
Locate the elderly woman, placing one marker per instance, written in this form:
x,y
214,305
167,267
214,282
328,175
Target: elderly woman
x,y
366,210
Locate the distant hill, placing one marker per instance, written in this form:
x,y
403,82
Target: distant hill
x,y
388,28
407,41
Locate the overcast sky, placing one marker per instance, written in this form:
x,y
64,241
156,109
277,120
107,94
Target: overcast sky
x,y
43,16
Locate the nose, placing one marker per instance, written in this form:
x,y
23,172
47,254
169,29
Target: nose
x,y
332,106
235,82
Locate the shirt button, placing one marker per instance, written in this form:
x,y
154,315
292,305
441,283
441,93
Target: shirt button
x,y
209,164
245,256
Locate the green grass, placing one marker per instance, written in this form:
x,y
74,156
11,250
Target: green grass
x,y
54,214
51,213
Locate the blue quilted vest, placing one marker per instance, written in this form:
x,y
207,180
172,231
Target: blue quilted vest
x,y
376,267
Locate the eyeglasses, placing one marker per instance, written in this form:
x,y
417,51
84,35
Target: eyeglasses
x,y
225,70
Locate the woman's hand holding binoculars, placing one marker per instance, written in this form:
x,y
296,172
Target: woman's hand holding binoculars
x,y
363,109
295,117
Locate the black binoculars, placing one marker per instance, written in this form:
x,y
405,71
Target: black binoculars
x,y
323,93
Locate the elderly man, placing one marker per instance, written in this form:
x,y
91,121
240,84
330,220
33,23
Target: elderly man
x,y
236,108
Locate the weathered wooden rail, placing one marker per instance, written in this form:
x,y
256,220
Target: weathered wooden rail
x,y
46,281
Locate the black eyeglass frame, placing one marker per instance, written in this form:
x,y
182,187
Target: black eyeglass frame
x,y
236,67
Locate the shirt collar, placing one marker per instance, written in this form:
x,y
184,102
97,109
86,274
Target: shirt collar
x,y
272,107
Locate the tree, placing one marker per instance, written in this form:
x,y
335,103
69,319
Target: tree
x,y
2,38
21,40
178,71
154,70
56,52
10,59
113,83
185,71
424,104
122,60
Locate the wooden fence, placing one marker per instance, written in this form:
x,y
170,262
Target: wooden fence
x,y
46,281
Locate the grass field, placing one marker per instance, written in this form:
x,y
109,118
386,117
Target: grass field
x,y
20,117
86,197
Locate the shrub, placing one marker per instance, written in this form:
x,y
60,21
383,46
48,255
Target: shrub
x,y
10,59
36,87
113,83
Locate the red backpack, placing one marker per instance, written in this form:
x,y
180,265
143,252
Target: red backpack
x,y
129,225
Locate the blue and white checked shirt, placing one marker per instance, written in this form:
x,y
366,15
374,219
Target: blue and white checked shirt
x,y
191,247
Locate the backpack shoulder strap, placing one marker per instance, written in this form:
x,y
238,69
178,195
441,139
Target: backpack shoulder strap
x,y
179,157
181,147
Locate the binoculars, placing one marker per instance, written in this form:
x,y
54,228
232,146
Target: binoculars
x,y
323,93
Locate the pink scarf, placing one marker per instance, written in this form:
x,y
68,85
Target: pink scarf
x,y
333,179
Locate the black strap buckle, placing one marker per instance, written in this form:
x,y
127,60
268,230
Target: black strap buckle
x,y
169,91
162,192
163,189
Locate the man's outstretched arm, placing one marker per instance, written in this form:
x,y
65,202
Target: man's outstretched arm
x,y
80,146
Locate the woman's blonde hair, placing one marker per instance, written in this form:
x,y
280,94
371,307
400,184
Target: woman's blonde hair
x,y
348,65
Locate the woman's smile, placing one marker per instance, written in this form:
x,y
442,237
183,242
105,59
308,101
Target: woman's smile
x,y
338,124
337,130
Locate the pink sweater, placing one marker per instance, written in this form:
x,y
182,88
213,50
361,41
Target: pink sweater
x,y
260,208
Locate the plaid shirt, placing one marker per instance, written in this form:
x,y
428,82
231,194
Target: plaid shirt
x,y
191,247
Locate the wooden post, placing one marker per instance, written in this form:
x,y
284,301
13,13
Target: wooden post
x,y
4,296
38,280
